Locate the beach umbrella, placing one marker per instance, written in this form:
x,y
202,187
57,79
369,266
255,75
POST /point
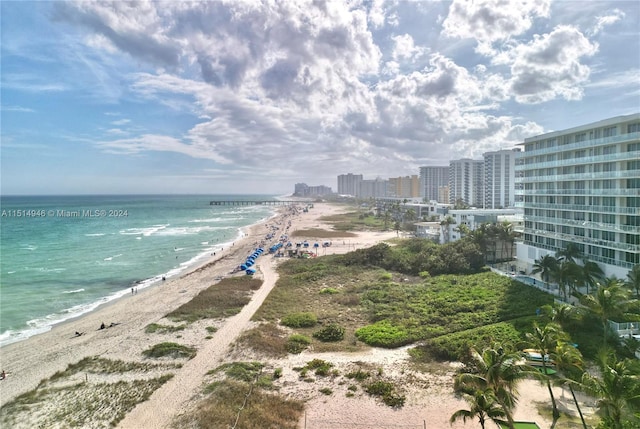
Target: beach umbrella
x,y
250,271
243,267
248,263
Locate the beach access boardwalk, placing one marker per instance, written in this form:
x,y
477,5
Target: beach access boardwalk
x,y
253,203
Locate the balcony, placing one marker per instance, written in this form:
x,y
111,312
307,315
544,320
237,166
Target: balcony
x,y
586,240
619,156
622,138
583,223
584,177
597,192
585,208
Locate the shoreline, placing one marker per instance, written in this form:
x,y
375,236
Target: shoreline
x,y
30,360
195,263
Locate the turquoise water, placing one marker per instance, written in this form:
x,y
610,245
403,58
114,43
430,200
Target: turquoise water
x,y
61,257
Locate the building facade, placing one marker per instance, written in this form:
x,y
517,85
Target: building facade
x,y
432,179
582,186
373,188
466,182
349,184
404,187
499,178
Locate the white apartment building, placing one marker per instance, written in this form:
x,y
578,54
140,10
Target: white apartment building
x,y
466,182
499,178
432,179
582,186
349,184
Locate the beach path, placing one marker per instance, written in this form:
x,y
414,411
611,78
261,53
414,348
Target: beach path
x,y
172,398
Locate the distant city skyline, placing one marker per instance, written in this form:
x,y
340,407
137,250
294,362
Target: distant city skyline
x,y
228,97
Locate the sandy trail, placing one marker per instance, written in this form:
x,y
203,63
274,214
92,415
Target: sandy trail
x,y
170,400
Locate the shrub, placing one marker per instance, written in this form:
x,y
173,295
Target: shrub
x,y
296,343
173,350
359,375
386,391
326,391
320,366
277,373
300,320
161,329
329,291
332,332
383,334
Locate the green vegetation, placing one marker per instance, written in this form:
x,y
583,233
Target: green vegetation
x,y
386,391
329,291
330,333
300,320
355,221
383,334
220,300
326,391
321,233
319,366
89,401
168,349
230,401
267,338
241,371
297,343
155,328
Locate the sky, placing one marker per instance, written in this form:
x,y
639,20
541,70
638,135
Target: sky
x,y
224,97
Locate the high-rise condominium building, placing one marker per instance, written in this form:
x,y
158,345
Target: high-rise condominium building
x,y
466,182
582,186
432,179
499,178
349,184
404,187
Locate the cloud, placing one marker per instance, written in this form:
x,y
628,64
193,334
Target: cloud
x,y
121,122
549,66
405,49
490,21
605,20
17,109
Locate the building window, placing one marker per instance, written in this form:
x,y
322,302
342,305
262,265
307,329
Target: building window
x,y
633,128
609,131
608,235
609,253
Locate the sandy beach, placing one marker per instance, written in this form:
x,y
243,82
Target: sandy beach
x,y
430,399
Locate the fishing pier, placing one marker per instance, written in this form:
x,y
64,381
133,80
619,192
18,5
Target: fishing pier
x,y
253,203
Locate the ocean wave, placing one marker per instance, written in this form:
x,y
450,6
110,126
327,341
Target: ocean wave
x,y
215,219
73,291
99,234
28,247
145,232
110,258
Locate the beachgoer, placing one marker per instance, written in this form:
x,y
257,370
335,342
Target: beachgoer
x,y
79,333
3,375
102,326
131,291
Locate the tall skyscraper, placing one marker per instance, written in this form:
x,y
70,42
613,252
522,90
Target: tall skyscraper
x,y
432,179
499,178
349,184
582,186
466,182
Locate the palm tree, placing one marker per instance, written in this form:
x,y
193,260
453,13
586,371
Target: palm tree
x,y
507,236
545,265
566,274
633,280
570,253
609,299
444,225
498,371
545,340
591,274
482,404
617,389
569,361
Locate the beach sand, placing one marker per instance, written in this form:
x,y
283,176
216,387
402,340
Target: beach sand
x,y
430,399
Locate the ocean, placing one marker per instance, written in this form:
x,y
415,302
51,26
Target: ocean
x,y
63,256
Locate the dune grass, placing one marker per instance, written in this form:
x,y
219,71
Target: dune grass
x,y
85,395
220,300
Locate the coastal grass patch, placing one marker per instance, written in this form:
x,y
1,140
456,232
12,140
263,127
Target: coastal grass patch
x,y
169,349
297,343
303,319
321,233
86,395
156,328
220,300
355,221
267,338
241,371
233,403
